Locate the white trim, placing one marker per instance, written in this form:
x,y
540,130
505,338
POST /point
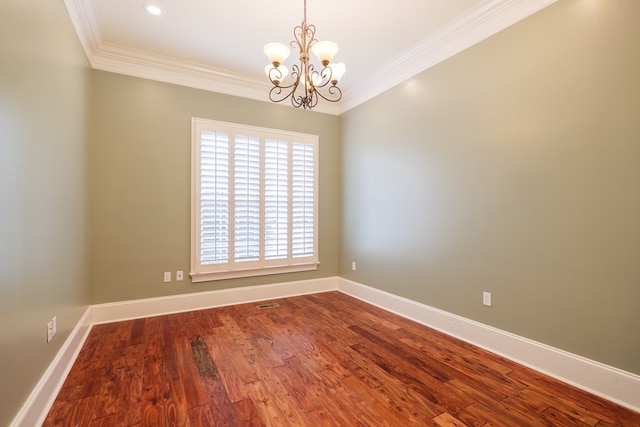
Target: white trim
x,y
37,406
594,377
222,144
608,382
125,310
481,22
207,276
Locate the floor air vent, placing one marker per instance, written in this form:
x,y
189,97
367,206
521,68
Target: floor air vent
x,y
270,305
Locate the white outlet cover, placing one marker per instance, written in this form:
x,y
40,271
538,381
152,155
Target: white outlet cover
x,y
49,330
486,298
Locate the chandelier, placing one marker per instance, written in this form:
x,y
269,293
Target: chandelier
x,y
306,84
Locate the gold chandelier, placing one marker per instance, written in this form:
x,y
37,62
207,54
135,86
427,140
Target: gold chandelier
x,y
307,84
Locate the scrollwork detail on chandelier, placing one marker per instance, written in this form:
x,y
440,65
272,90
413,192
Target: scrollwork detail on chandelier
x,y
308,84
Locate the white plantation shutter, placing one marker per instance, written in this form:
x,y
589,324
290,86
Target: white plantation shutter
x,y
247,199
303,203
276,199
254,198
214,196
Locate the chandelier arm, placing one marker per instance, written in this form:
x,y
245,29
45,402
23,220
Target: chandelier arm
x,y
333,90
298,101
275,94
275,76
292,85
324,78
324,75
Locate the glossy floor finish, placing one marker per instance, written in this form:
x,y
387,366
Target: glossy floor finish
x,y
317,360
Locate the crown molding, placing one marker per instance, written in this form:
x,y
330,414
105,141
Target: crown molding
x,y
481,22
127,61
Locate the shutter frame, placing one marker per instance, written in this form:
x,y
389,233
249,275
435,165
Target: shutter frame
x,y
274,170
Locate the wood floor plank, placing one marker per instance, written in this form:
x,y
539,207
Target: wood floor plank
x,y
103,422
270,399
448,420
233,342
128,407
152,392
81,412
436,391
301,384
224,355
494,416
152,405
560,418
176,408
201,416
59,414
247,414
195,392
315,360
208,321
137,332
366,406
221,406
107,397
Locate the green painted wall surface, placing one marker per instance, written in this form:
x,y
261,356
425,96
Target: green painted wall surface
x,y
139,174
514,168
44,90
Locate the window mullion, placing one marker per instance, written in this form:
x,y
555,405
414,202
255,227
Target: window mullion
x,y
290,204
262,199
196,228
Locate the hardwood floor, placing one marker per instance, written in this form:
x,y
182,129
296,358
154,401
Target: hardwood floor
x,y
318,360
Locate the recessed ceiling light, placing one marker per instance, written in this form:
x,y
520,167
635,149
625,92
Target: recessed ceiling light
x,y
152,9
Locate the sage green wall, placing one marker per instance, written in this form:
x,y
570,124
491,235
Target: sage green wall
x,y
514,168
139,175
44,90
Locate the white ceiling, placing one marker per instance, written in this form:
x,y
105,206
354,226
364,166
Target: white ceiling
x,y
217,45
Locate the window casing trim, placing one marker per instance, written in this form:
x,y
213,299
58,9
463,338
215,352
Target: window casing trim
x,y
263,271
234,269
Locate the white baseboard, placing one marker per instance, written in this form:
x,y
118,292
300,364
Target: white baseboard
x,y
41,399
597,378
125,310
611,383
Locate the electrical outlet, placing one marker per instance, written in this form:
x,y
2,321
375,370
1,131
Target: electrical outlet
x,y
179,275
353,265
54,322
486,298
167,276
50,330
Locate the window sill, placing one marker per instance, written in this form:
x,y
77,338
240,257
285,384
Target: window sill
x,y
237,274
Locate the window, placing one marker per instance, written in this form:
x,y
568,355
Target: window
x,y
254,201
